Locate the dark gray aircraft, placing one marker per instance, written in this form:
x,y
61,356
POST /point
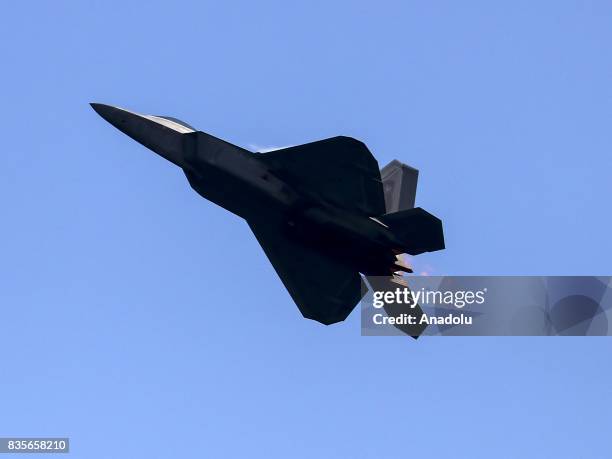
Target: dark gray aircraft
x,y
323,211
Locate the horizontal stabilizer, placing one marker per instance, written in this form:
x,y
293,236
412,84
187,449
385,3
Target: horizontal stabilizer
x,y
418,230
397,309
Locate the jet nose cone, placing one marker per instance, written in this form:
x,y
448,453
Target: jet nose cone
x,y
124,120
152,132
105,111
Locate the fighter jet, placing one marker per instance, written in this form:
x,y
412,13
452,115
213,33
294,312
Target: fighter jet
x,y
323,212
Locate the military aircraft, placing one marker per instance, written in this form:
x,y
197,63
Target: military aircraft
x,y
323,212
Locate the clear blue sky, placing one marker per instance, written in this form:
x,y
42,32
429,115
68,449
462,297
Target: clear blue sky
x,y
144,322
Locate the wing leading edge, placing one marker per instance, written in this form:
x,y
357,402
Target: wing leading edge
x,y
323,289
340,170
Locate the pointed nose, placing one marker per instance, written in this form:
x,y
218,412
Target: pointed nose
x,y
157,134
116,116
101,109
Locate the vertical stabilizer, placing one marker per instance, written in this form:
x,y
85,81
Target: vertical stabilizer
x,y
399,185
